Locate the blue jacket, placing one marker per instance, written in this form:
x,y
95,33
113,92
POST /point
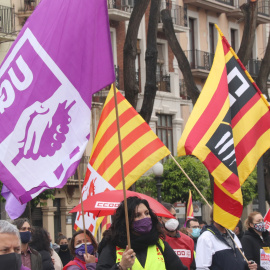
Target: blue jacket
x,y
213,251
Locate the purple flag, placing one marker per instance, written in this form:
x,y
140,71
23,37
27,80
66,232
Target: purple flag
x,y
61,57
13,207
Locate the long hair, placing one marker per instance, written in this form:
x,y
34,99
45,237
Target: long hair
x,y
40,239
72,246
250,219
117,230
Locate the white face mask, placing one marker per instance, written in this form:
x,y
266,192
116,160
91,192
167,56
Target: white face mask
x,y
171,225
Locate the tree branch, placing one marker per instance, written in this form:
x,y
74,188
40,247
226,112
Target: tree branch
x,y
182,60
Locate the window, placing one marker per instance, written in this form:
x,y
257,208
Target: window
x,y
233,38
211,38
165,130
191,23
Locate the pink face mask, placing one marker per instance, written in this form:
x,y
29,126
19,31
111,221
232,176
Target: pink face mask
x,y
143,225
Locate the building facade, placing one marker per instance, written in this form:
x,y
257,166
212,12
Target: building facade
x,y
194,27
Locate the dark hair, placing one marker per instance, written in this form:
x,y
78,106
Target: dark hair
x,y
40,239
168,206
240,226
202,222
71,245
117,231
188,222
61,237
20,221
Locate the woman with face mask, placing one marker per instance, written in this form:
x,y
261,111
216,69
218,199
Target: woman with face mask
x,y
82,260
64,252
256,240
148,248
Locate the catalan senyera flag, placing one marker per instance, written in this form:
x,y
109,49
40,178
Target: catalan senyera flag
x,y
140,146
228,130
190,213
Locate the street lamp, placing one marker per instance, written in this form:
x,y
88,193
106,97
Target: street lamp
x,y
158,171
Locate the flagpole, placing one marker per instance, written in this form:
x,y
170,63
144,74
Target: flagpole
x,y
122,165
205,201
80,188
190,180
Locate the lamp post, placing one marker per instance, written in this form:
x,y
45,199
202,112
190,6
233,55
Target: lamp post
x,y
158,171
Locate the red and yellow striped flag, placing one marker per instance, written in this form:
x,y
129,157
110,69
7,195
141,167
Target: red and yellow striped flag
x,y
140,145
228,130
190,213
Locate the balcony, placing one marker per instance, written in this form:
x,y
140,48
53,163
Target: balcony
x,y
120,10
7,24
183,90
200,62
218,6
253,67
163,83
25,9
101,95
179,17
263,11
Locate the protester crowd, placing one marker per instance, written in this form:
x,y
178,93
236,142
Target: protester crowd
x,y
156,243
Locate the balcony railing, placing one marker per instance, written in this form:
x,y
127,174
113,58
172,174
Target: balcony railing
x,y
264,8
178,13
183,90
200,59
253,67
7,20
28,5
163,83
226,2
124,5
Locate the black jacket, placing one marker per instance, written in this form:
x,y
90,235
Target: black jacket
x,y
252,243
46,260
107,258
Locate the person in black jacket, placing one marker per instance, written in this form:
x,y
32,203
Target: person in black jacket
x,y
41,242
148,250
256,239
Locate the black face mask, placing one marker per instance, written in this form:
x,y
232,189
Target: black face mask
x,y
64,247
11,261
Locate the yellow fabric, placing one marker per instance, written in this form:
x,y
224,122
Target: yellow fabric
x,y
154,258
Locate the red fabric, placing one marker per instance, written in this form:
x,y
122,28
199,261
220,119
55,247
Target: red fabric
x,y
77,262
183,246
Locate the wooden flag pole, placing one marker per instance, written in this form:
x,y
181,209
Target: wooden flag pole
x,y
205,201
190,180
122,165
80,188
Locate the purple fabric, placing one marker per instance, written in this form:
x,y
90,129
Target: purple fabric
x,y
25,268
143,225
61,57
13,207
89,266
